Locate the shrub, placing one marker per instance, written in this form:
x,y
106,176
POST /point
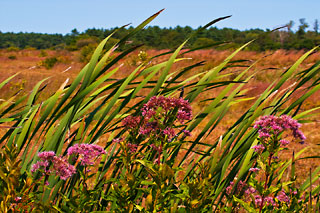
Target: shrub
x,y
12,57
86,52
13,49
43,53
49,63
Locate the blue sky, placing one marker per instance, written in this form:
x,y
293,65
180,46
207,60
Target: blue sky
x,y
61,16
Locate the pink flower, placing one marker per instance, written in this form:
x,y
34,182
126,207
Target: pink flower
x,y
282,197
258,148
250,191
46,155
40,165
254,169
241,185
17,199
148,128
63,168
131,122
88,152
269,124
169,132
167,104
60,165
229,188
284,142
266,201
186,133
117,140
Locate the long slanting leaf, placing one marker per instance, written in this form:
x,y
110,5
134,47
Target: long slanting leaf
x,y
212,74
293,68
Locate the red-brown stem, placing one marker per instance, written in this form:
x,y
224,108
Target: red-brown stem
x,y
159,153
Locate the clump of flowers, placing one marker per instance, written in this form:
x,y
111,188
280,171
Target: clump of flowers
x,y
59,164
159,115
272,126
157,124
88,153
270,135
49,162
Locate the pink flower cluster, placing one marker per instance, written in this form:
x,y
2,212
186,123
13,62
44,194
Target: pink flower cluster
x,y
283,197
88,152
60,165
258,148
167,104
254,170
155,113
272,125
131,122
241,185
266,201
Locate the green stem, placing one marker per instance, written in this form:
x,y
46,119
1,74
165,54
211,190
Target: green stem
x,y
266,183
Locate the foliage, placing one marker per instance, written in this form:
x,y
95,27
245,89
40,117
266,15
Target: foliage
x,y
49,62
142,123
12,57
170,38
43,53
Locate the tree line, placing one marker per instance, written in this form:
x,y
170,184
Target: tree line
x,y
169,38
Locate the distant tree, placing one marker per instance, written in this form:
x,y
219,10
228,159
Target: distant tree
x,y
74,32
202,42
169,38
290,25
316,26
302,27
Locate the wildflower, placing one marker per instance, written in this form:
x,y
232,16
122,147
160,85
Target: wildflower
x,y
40,165
241,185
254,169
250,190
87,152
186,133
131,121
117,140
258,148
282,197
269,125
269,201
266,201
60,165
284,142
148,128
229,188
258,200
17,199
63,168
46,155
167,104
169,132
293,192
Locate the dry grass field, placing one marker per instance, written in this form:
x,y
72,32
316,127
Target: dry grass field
x,y
271,65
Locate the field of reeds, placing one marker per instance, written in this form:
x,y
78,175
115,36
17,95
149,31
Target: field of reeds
x,y
159,131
